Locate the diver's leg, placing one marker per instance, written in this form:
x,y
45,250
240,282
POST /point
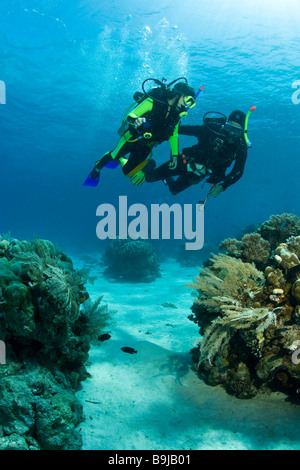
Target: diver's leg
x,y
163,172
121,149
182,183
101,164
139,152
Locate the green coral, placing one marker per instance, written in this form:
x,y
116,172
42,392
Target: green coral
x,y
38,409
131,260
47,323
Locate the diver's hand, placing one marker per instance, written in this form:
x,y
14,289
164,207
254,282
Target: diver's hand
x,y
138,122
200,168
174,162
215,190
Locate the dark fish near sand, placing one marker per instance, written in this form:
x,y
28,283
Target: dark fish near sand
x,y
104,337
128,350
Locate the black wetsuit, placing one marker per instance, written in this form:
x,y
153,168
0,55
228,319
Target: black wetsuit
x,y
212,151
163,121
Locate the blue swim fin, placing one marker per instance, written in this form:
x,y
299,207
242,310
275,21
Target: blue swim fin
x,y
113,164
94,181
91,181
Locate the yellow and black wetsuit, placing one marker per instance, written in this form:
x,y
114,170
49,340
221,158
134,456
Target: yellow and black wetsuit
x,y
162,124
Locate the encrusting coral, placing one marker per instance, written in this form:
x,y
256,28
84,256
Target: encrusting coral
x,y
47,323
249,316
131,260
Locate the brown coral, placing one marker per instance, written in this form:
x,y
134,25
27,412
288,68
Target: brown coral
x,y
228,289
279,228
245,313
296,290
287,258
252,248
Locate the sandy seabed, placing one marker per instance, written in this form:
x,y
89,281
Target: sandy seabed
x,y
153,400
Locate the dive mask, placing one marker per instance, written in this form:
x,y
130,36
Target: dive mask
x,y
189,101
232,131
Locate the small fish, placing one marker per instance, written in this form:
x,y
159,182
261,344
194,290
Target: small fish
x,y
104,337
128,350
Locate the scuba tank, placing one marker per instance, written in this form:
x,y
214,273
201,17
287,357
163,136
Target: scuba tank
x,y
138,98
218,126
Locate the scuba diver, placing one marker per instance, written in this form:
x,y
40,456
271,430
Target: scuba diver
x,y
221,143
154,119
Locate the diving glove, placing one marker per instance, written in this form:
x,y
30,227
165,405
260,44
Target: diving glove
x,y
215,190
138,122
138,179
142,127
174,162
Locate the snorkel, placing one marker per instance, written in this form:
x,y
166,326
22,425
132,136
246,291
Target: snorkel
x,y
199,91
196,96
248,143
187,107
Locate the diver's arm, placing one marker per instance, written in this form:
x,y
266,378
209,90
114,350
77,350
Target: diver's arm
x,y
174,148
174,141
194,131
237,170
143,108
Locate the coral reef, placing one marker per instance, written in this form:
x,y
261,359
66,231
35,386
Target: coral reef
x,y
257,246
249,313
251,248
278,228
47,323
131,260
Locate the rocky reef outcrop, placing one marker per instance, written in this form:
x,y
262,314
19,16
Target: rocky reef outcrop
x,y
248,311
131,260
47,322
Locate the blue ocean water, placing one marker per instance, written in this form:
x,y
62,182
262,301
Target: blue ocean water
x,y
70,70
